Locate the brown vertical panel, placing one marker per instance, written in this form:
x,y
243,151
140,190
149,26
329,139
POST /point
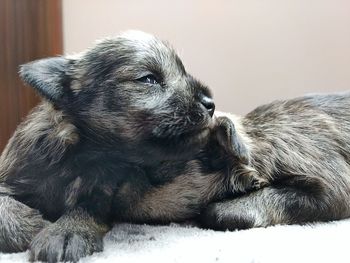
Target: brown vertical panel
x,y
29,29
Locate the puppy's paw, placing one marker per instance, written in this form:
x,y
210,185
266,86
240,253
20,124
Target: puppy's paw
x,y
258,183
55,243
19,224
245,179
225,216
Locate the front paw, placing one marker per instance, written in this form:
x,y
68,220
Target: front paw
x,y
57,243
19,224
258,183
224,216
245,179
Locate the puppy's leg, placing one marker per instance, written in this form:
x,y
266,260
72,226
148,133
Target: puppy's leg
x,y
275,205
18,223
76,234
178,200
245,179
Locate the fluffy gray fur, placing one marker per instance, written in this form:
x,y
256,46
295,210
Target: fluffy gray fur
x,y
125,133
301,149
109,116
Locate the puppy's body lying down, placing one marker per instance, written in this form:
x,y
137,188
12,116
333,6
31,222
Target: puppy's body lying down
x,y
302,148
299,149
109,115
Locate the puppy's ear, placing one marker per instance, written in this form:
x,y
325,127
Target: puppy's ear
x,y
47,76
230,140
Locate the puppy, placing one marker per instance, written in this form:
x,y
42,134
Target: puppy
x,y
108,116
301,149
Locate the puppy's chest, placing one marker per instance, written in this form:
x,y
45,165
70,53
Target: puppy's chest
x,y
97,184
90,183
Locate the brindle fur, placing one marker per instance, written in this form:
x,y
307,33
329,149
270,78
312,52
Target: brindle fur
x,y
178,191
109,116
297,151
301,147
105,147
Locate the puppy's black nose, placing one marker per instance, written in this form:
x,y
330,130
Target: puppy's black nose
x,y
208,103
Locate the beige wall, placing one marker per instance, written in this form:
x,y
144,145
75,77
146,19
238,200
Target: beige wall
x,y
248,51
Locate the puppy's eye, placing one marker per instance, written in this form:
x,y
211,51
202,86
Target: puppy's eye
x,y
149,79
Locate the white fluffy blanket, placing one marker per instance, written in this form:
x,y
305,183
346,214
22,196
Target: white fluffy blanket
x,y
321,242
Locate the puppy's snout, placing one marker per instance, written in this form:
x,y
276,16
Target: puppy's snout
x,y
208,103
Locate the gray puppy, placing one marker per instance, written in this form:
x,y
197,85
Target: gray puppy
x,y
301,147
109,115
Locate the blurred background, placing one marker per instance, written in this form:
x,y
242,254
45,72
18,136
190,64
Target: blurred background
x,y
249,52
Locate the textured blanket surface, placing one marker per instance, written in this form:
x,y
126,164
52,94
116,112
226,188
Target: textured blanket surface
x,y
321,242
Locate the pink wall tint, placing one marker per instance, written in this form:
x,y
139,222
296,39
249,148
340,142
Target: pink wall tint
x,y
248,51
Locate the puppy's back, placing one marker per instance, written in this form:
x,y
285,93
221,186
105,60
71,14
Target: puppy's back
x,y
307,136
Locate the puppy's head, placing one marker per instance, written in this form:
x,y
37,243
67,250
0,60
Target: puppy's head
x,y
130,92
